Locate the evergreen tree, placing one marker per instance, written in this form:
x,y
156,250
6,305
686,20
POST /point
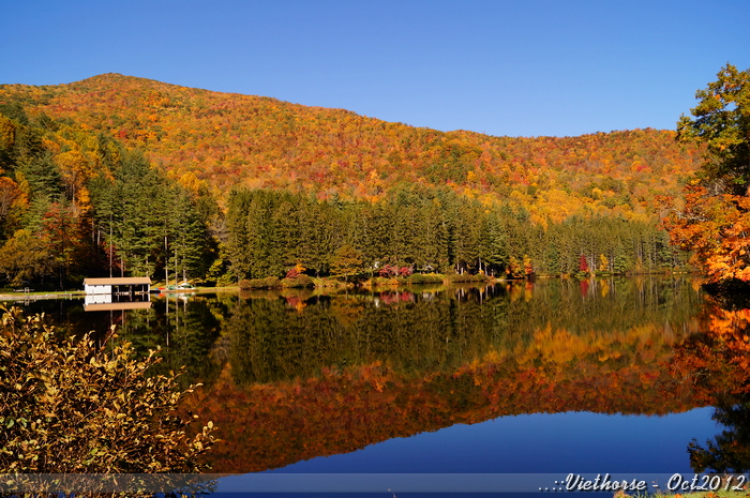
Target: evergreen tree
x,y
347,261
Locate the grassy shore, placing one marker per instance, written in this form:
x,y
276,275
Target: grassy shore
x,y
10,295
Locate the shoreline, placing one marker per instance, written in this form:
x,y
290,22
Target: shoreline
x,y
385,284
79,294
37,296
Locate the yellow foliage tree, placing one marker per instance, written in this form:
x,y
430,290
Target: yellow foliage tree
x,y
603,263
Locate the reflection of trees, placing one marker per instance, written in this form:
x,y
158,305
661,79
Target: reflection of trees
x,y
719,362
186,330
343,372
293,374
421,333
268,425
730,450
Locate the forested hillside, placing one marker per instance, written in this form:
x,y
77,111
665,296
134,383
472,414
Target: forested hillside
x,y
151,178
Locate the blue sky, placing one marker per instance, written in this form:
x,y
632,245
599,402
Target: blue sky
x,y
520,68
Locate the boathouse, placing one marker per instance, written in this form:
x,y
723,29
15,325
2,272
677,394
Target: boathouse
x,y
117,286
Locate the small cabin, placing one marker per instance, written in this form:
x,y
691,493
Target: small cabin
x,y
117,286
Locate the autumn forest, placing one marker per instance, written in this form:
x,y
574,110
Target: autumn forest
x,y
127,176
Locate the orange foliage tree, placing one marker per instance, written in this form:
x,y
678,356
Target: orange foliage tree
x,y
715,228
716,216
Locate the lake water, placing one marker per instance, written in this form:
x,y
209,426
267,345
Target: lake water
x,y
541,379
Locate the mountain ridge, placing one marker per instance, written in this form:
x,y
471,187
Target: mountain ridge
x,y
226,140
153,178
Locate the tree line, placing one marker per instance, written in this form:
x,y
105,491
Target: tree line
x,y
428,230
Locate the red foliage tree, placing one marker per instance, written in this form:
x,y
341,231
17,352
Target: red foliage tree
x,y
583,264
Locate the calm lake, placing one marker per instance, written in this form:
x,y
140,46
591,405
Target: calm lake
x,y
552,377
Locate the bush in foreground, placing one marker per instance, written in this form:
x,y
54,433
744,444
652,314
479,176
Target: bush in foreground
x,y
68,406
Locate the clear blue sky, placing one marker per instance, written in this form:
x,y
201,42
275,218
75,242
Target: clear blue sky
x,y
520,68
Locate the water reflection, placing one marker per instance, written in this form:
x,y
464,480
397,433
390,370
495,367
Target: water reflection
x,y
296,374
281,337
718,363
729,452
310,375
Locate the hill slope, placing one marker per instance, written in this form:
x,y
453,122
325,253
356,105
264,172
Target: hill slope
x,y
117,174
231,139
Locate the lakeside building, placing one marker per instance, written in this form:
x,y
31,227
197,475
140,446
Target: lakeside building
x,y
117,286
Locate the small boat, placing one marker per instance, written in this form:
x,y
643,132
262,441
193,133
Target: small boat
x,y
184,286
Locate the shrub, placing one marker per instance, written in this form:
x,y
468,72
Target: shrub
x,y
419,278
388,271
269,282
68,406
296,271
467,278
405,271
260,283
300,280
225,280
382,281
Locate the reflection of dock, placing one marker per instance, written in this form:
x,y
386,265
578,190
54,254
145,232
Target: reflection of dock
x,y
105,302
124,305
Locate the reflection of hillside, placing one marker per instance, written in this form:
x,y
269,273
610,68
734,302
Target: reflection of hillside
x,y
274,424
